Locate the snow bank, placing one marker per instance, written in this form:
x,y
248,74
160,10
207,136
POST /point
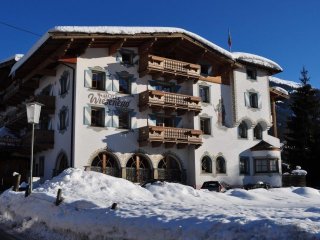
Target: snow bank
x,y
159,211
255,59
281,90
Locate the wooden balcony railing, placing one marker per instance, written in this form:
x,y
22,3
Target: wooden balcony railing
x,y
18,119
151,64
43,140
170,136
167,100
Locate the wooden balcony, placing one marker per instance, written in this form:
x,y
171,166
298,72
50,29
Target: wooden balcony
x,y
18,92
18,119
158,100
49,103
180,137
43,140
168,68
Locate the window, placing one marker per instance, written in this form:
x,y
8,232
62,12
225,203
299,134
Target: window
x,y
266,166
244,166
97,117
257,132
221,165
127,57
243,130
124,85
204,93
251,73
253,100
98,80
206,165
64,82
63,118
124,120
205,70
205,125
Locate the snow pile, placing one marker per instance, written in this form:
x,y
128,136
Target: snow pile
x,y
257,60
160,211
299,171
284,82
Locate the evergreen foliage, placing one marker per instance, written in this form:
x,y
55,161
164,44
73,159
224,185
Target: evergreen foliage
x,y
302,138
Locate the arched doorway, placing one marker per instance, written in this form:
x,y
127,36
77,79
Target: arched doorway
x,y
138,169
169,169
106,162
61,164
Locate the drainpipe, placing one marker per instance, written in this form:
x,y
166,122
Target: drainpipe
x,y
73,113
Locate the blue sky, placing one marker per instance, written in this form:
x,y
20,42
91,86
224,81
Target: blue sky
x,y
285,31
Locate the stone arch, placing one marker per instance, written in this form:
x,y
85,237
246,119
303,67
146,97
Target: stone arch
x,y
170,168
263,124
139,168
62,163
106,162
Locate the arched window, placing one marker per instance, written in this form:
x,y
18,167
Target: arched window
x,y
138,169
221,165
257,132
61,164
169,169
206,165
243,130
107,163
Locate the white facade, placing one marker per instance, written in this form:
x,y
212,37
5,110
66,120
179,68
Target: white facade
x,y
81,143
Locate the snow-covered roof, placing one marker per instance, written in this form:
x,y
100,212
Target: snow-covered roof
x,y
113,30
284,82
257,60
281,90
118,30
15,57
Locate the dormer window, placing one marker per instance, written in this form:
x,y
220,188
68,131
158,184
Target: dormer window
x,y
252,73
127,58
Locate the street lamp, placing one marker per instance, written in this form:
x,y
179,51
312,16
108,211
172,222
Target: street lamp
x,y
33,114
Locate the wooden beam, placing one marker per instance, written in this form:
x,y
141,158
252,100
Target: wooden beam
x,y
68,60
116,46
50,59
47,72
145,47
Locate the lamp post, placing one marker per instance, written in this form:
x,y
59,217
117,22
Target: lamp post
x,y
33,114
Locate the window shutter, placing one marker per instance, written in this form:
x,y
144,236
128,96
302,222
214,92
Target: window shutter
x,y
133,87
115,121
108,118
115,85
87,115
259,100
133,122
152,120
246,99
108,81
88,78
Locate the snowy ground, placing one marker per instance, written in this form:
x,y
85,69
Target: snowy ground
x,y
162,211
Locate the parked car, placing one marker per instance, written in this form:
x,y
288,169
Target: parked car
x,y
216,186
257,185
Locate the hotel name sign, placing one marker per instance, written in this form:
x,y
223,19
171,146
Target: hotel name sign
x,y
108,100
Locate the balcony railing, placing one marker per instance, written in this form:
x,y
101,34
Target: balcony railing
x,y
170,136
43,140
167,100
151,64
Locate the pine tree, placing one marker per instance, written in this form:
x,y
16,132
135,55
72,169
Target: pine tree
x,y
302,138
